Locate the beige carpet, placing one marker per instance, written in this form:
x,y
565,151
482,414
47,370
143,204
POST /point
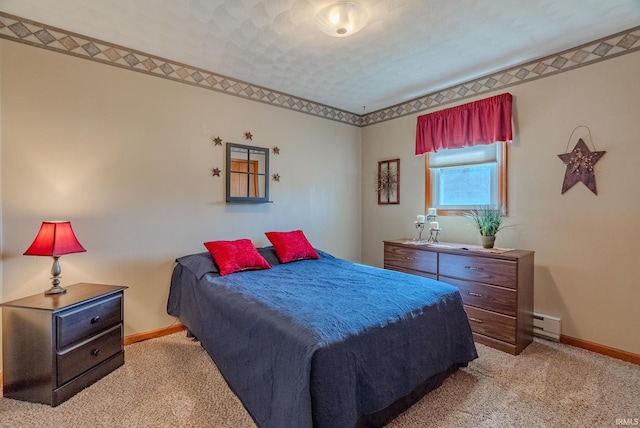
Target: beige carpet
x,y
172,382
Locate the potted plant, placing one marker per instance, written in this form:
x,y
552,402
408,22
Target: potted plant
x,y
489,220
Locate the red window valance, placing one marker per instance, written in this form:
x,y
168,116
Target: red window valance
x,y
481,122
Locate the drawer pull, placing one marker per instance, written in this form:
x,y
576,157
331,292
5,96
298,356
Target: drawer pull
x,y
471,293
95,352
473,268
408,258
95,319
475,320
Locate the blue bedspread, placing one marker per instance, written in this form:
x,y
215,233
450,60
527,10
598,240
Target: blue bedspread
x,y
321,342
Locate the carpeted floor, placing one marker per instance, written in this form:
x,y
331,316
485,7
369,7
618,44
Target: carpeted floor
x,y
172,382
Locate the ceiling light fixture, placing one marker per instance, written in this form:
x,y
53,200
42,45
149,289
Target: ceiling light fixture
x,y
342,19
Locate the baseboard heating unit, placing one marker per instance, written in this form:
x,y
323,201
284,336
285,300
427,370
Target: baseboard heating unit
x,y
546,326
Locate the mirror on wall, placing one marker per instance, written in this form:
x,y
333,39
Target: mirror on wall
x,y
247,173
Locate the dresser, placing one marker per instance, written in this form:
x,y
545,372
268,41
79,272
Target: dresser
x,y
496,286
54,346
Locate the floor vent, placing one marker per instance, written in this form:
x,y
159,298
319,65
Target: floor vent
x,y
546,326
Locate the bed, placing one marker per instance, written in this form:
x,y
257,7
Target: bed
x,y
322,343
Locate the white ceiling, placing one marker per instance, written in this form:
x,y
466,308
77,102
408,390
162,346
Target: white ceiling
x,y
409,48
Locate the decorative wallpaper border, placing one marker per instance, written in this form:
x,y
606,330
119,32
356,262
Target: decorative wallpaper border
x,y
589,53
44,36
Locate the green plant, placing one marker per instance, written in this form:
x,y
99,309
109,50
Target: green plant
x,y
489,220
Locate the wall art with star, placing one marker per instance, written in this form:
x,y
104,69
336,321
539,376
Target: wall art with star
x,y
580,166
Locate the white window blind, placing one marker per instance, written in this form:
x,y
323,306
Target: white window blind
x,y
474,155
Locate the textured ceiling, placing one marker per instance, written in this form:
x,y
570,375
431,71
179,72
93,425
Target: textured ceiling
x,y
409,48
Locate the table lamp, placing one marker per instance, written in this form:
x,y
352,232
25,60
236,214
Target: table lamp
x,y
55,239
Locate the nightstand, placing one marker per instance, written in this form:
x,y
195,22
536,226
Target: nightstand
x,y
55,346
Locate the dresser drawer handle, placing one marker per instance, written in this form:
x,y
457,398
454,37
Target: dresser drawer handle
x,y
95,319
408,258
473,268
95,352
475,320
471,293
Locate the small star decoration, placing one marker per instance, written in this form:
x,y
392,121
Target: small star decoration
x,y
580,162
275,177
248,136
215,172
275,150
216,141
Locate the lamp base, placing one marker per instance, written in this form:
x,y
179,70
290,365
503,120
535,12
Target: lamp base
x,y
56,289
55,279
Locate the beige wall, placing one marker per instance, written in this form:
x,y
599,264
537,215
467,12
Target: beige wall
x,y
586,246
1,231
126,158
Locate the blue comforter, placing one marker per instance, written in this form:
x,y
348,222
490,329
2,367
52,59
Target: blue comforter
x,y
321,342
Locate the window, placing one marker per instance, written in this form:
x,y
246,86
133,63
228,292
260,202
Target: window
x,y
458,180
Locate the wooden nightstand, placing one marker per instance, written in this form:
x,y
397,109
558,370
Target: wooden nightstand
x,y
54,346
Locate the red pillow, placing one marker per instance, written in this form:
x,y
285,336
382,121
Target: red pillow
x,y
236,256
291,246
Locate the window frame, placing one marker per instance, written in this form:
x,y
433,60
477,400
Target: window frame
x,y
502,158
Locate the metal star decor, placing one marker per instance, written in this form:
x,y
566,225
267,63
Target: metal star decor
x,y
580,162
216,141
275,177
248,136
275,150
215,172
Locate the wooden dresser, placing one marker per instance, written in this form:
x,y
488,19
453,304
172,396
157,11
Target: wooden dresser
x,y
496,287
54,346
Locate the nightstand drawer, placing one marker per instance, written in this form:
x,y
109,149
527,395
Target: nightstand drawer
x,y
489,297
88,320
78,360
479,269
409,258
491,324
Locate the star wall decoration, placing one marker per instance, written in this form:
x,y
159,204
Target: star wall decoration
x,y
248,136
275,177
215,172
216,141
580,162
275,150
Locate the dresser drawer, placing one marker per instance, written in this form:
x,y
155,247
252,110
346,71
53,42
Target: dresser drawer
x,y
410,258
492,324
492,298
78,360
412,272
479,269
88,320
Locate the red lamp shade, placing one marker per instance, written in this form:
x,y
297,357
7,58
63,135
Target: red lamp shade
x,y
55,238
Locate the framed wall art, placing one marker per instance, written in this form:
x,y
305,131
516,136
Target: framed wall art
x,y
388,182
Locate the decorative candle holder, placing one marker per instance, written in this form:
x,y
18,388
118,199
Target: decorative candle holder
x,y
433,236
419,228
433,231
